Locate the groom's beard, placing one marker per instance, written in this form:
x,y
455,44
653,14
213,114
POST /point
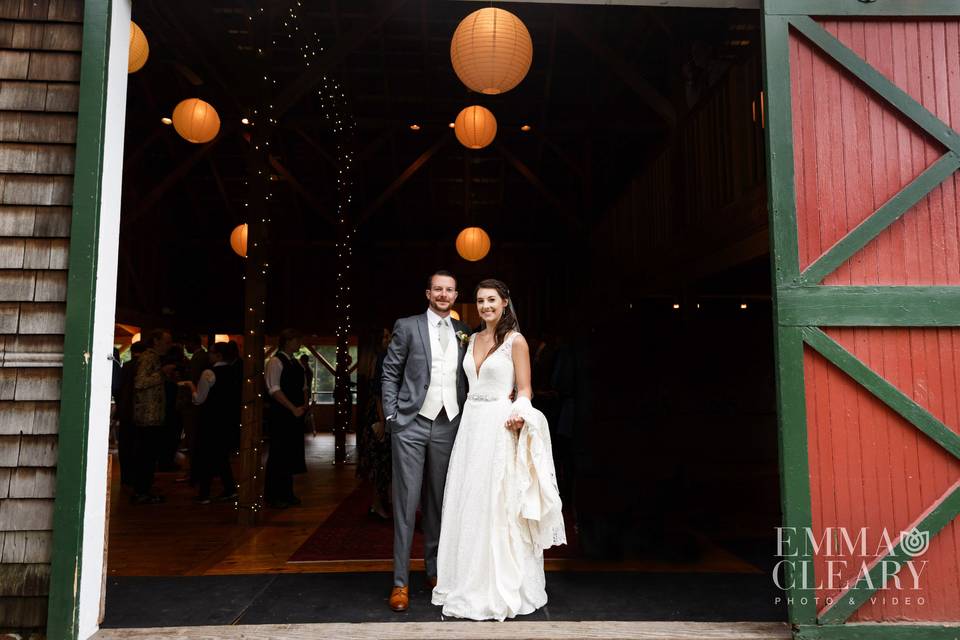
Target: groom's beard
x,y
436,306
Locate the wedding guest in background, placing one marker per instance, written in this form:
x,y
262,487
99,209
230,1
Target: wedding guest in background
x,y
175,404
286,384
199,359
127,441
232,355
308,380
190,414
218,397
149,411
374,462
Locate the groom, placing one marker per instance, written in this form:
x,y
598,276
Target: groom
x,y
424,388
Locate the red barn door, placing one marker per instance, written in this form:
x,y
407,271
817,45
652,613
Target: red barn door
x,y
863,105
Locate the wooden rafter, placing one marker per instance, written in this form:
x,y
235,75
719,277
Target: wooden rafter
x,y
640,86
558,203
401,179
149,201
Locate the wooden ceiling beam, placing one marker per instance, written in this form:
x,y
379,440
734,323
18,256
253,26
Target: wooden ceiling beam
x,y
307,195
558,203
149,201
401,179
640,86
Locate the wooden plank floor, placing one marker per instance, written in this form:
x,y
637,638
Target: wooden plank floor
x,y
468,631
179,538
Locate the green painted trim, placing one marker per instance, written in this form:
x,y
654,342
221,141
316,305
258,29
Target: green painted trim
x,y
878,631
932,522
876,384
850,306
867,74
887,214
784,248
63,608
794,467
785,267
858,8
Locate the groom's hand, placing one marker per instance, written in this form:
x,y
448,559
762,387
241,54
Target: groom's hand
x,y
299,411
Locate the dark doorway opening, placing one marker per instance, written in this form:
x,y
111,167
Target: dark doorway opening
x,y
624,197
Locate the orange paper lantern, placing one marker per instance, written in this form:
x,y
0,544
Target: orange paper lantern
x,y
238,240
473,244
475,127
491,51
196,121
139,49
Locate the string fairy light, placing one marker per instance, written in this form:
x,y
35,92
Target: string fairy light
x,y
336,113
261,126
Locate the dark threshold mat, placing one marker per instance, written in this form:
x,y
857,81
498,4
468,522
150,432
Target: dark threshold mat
x,y
145,601
362,597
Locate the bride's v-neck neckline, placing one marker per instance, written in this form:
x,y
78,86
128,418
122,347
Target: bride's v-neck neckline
x,y
473,354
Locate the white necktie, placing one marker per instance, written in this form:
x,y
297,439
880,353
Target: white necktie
x,y
444,337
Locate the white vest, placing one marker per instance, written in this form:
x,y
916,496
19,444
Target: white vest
x,y
442,392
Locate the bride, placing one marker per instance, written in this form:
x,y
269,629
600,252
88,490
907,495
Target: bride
x,y
501,507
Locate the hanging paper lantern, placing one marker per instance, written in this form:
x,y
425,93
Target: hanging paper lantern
x,y
473,244
196,121
139,49
238,240
475,127
491,51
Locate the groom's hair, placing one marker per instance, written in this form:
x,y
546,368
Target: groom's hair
x,y
440,273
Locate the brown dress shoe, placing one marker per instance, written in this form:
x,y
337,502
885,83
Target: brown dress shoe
x,y
400,598
432,581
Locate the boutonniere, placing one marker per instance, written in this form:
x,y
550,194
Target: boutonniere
x,y
463,337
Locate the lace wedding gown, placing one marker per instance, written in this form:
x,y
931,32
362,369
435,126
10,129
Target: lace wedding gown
x,y
500,505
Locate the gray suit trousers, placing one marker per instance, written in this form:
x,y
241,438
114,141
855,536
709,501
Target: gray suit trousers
x,y
421,448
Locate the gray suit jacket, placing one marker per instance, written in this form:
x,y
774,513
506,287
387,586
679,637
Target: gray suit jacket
x,y
406,369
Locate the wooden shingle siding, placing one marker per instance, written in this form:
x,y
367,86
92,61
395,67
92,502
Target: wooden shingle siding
x,y
29,418
27,36
25,547
38,65
40,42
39,96
37,127
38,222
42,11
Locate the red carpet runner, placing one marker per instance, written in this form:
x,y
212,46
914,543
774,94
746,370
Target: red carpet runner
x,y
351,533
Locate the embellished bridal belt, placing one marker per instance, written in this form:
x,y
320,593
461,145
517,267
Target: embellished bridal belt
x,y
483,397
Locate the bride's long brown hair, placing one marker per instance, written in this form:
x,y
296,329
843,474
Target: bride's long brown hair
x,y
508,321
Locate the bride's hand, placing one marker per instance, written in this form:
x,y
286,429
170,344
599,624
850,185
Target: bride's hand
x,y
514,423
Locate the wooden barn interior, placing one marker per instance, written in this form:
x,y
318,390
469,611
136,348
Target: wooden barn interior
x,y
625,199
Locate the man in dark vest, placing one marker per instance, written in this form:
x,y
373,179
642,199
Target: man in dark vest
x,y
286,384
218,396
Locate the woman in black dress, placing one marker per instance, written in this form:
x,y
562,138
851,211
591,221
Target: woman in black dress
x,y
374,461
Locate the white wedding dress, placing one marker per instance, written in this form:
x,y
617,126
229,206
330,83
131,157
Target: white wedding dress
x,y
501,507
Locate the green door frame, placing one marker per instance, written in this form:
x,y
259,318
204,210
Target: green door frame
x,y
69,588
802,304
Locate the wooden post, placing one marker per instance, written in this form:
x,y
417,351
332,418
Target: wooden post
x,y
250,487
